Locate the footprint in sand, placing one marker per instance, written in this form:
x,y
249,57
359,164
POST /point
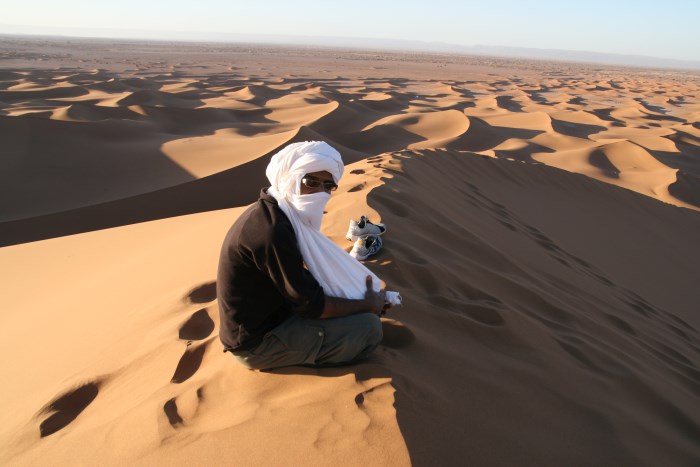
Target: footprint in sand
x,y
503,215
670,321
481,314
620,324
170,409
199,326
556,252
67,407
640,305
360,397
578,354
483,311
570,260
189,363
204,293
678,321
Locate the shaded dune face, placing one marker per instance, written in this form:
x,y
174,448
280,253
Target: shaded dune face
x,y
528,268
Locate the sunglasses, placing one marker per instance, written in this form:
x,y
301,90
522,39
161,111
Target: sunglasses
x,y
328,185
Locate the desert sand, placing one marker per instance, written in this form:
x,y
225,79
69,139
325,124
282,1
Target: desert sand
x,y
543,231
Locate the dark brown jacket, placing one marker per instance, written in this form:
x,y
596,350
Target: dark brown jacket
x,y
262,278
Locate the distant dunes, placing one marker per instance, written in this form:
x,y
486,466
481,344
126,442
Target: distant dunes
x,y
85,139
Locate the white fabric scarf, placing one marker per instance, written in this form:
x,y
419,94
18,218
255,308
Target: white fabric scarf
x,y
339,274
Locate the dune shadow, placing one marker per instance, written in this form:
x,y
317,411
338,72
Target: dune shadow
x,y
601,161
686,187
205,194
481,136
507,103
62,171
492,329
379,139
687,159
523,154
604,114
577,130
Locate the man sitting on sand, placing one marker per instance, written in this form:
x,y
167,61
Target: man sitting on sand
x,y
274,312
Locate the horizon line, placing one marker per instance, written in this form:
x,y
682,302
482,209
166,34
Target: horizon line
x,y
404,45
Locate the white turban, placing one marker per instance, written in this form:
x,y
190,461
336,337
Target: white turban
x,y
288,167
339,274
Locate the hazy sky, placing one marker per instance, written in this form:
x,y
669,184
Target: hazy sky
x,y
666,29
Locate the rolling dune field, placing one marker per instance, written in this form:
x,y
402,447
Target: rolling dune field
x,y
543,230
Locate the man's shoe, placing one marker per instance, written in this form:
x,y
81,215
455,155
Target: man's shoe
x,y
363,227
366,246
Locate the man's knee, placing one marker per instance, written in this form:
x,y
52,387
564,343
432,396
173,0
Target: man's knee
x,y
373,328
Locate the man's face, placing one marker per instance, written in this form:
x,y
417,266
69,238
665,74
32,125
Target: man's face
x,y
316,182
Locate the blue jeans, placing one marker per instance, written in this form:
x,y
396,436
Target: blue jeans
x,y
315,342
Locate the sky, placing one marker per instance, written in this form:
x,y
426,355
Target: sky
x,y
666,29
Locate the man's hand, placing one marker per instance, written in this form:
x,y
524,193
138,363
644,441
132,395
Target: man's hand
x,y
374,300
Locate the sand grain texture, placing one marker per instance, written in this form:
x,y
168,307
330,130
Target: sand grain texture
x,y
543,223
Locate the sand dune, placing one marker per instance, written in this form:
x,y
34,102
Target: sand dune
x,y
543,223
